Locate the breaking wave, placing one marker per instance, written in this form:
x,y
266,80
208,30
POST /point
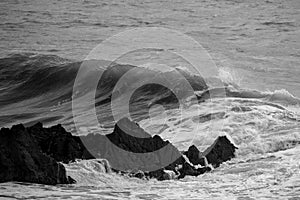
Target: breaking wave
x,y
38,87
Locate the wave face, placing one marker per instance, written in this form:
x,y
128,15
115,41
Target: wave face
x,y
37,87
258,40
264,125
40,87
25,76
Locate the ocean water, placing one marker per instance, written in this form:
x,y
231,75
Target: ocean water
x,y
255,46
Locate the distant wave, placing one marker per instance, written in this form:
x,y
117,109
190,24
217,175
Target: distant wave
x,y
25,76
36,87
29,75
43,83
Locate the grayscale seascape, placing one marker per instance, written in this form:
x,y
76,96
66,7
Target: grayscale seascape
x,y
255,46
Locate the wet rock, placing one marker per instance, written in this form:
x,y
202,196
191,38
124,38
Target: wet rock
x,y
22,159
195,156
130,137
220,151
58,143
127,148
190,170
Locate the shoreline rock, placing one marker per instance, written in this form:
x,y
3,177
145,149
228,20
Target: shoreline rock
x,y
192,162
61,145
21,159
32,154
220,151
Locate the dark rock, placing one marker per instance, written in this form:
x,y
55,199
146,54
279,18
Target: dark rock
x,y
128,139
138,141
22,159
128,149
71,180
220,151
189,170
58,143
195,156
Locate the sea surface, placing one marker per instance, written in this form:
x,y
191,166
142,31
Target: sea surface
x,y
255,46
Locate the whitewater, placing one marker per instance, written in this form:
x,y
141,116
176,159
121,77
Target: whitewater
x,y
255,46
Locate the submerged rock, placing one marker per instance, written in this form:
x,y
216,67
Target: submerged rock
x,y
21,159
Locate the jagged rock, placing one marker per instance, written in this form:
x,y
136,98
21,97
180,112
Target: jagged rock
x,y
128,139
195,156
21,159
127,148
58,143
138,141
220,151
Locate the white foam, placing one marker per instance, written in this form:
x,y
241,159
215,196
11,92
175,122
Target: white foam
x,y
258,129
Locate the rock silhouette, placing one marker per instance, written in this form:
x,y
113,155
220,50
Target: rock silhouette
x,y
220,151
58,143
21,159
32,154
128,141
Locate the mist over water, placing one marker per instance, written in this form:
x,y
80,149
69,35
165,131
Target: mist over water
x,y
255,45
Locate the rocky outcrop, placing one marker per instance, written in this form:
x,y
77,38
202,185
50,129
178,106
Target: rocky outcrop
x,y
129,148
195,156
31,154
22,159
220,151
58,143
